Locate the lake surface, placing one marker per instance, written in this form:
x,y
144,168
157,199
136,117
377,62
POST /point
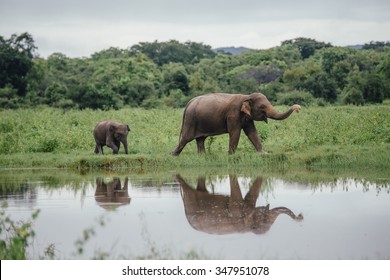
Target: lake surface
x,y
208,216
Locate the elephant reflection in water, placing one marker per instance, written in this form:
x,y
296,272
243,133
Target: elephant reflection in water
x,y
222,214
111,195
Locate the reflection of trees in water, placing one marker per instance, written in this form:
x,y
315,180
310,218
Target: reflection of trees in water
x,y
19,193
22,189
344,184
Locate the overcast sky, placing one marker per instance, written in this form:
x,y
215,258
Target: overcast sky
x,y
79,28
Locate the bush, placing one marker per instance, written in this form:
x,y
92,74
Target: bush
x,y
48,146
353,95
9,98
15,237
295,97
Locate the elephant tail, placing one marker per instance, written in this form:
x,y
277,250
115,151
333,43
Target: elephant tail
x,y
182,123
185,115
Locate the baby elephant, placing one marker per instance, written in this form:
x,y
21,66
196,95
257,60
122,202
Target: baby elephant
x,y
110,133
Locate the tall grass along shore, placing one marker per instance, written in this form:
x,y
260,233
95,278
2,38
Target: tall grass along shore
x,y
333,136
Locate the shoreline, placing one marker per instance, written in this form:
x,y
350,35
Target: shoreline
x,y
348,157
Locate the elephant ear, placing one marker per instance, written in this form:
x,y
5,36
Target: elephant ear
x,y
246,108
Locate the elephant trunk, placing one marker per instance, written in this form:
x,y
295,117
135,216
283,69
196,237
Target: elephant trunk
x,y
284,210
273,114
124,142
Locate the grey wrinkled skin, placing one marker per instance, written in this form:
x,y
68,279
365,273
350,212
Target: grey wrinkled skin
x,y
219,113
110,133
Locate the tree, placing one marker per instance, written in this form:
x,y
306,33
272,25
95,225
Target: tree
x,y
135,91
91,96
331,56
55,92
353,91
174,52
306,46
383,69
376,45
239,81
283,56
8,97
353,95
320,85
111,52
37,82
175,77
16,54
374,89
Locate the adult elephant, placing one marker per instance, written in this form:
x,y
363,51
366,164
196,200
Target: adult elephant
x,y
219,113
223,214
112,134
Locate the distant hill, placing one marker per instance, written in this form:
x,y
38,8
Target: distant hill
x,y
355,47
239,50
232,50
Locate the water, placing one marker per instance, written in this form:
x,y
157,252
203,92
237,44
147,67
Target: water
x,y
211,216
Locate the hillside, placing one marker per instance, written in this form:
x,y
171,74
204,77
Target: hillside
x,y
232,50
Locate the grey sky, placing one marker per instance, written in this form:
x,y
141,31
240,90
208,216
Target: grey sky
x,y
82,27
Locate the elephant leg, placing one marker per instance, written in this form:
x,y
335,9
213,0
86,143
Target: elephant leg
x,y
234,137
125,146
98,149
118,144
251,133
100,187
200,144
178,149
235,191
115,148
113,144
201,186
236,201
253,193
126,184
183,142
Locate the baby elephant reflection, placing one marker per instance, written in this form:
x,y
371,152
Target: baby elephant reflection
x,y
111,195
221,214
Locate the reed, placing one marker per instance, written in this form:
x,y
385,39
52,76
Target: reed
x,y
333,136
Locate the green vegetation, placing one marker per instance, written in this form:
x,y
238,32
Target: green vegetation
x,y
15,236
168,74
344,136
49,106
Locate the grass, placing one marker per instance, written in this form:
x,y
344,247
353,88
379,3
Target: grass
x,y
318,137
336,142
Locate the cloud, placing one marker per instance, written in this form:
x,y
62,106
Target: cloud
x,y
206,11
80,28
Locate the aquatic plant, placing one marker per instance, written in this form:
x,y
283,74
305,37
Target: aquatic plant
x,y
15,236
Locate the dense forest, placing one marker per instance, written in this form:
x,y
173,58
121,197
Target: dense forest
x,y
158,74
